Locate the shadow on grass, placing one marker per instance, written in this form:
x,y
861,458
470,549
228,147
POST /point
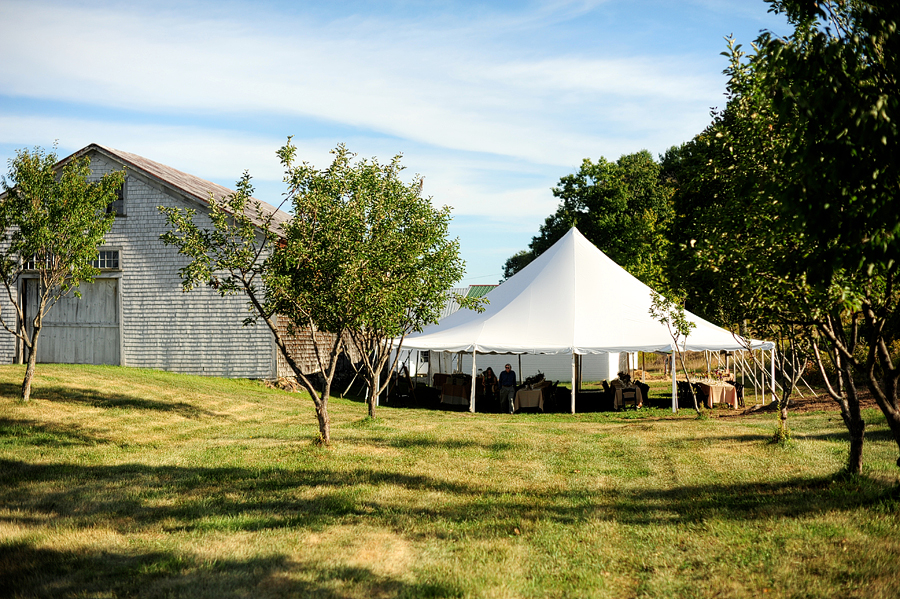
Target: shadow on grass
x,y
429,442
872,434
97,399
27,432
27,571
132,497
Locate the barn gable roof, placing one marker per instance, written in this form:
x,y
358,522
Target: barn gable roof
x,y
189,185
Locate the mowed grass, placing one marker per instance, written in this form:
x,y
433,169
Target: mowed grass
x,y
119,482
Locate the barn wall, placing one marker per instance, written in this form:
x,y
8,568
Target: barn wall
x,y
7,340
300,345
162,327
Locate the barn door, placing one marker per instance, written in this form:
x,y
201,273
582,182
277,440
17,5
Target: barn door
x,y
81,330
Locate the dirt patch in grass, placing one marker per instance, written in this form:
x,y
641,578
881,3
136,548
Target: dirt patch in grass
x,y
824,403
809,403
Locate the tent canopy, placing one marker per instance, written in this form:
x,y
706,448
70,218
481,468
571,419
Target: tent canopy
x,y
571,299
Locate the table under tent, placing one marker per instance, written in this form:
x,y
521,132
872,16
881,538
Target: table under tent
x,y
571,300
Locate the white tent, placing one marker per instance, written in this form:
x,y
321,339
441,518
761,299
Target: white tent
x,y
573,300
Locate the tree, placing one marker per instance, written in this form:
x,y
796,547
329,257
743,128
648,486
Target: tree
x,y
392,260
517,262
363,257
835,88
672,315
52,223
800,235
622,207
726,236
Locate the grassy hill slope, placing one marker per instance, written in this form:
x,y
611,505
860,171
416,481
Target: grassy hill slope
x,y
130,482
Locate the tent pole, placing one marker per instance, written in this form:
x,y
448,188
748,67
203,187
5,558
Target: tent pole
x,y
472,385
580,371
755,380
674,387
521,376
772,364
776,385
574,379
762,375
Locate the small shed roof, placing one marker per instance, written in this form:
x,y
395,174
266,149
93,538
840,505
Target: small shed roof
x,y
480,290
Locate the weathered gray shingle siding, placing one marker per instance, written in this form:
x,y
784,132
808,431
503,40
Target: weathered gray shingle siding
x,y
197,332
7,340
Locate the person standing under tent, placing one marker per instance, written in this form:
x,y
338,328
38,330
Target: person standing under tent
x,y
508,387
490,382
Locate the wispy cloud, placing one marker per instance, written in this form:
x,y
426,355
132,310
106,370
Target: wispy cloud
x,y
469,184
492,102
448,87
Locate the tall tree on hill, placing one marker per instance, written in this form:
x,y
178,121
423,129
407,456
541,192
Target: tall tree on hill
x,y
801,228
622,207
364,259
52,222
384,257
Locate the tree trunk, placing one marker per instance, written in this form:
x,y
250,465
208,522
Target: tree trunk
x,y
892,415
894,424
373,395
29,370
687,377
856,426
886,397
324,421
782,434
857,434
29,375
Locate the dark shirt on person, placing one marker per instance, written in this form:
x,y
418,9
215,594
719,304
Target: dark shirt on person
x,y
508,378
490,381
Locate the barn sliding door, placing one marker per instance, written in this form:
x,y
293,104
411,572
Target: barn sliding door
x,y
81,330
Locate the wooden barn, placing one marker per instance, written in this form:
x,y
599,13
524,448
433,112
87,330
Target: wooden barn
x,y
135,313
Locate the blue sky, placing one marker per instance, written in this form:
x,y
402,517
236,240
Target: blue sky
x,y
491,102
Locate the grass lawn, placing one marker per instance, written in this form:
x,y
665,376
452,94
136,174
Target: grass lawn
x,y
120,482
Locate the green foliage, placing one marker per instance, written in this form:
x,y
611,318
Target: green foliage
x,y
671,314
836,96
364,257
163,484
728,232
232,256
57,219
782,435
786,201
517,262
622,207
364,237
364,253
52,222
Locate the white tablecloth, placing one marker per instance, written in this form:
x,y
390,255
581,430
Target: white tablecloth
x,y
720,393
